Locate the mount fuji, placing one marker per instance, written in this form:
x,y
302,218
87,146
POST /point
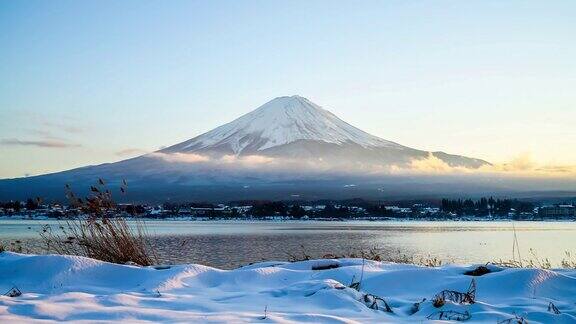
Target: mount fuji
x,y
288,147
281,121
295,127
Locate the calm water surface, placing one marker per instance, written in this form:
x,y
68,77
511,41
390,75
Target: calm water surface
x,y
226,244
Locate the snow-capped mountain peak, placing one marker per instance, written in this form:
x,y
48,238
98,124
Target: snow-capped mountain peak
x,y
281,121
285,146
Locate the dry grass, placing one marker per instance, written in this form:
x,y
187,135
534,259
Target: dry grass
x,y
428,261
13,292
301,256
376,303
13,246
100,234
532,261
372,254
535,261
463,298
450,315
106,239
568,262
514,320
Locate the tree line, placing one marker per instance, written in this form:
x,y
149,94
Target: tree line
x,y
29,204
486,206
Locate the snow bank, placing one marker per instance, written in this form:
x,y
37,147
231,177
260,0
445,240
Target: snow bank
x,y
69,288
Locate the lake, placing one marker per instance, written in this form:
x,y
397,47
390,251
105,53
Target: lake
x,y
229,244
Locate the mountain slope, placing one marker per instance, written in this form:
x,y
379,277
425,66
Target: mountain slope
x,y
294,127
299,147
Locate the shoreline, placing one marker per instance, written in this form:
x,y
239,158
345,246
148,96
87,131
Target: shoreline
x,y
231,243
289,219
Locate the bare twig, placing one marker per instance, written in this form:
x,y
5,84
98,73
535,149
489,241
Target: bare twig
x,y
514,320
13,292
372,302
553,309
450,316
468,297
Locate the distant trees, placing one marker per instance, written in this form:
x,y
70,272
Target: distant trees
x,y
269,209
297,211
17,206
14,205
277,208
485,206
172,207
32,204
379,210
134,209
332,211
313,209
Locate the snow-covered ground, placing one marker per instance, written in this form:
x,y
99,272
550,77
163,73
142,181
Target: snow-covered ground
x,y
69,288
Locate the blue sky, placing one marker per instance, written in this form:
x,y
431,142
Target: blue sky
x,y
87,82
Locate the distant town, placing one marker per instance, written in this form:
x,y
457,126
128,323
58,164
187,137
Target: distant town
x,y
358,209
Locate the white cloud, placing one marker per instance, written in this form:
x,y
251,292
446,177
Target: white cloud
x,y
430,165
